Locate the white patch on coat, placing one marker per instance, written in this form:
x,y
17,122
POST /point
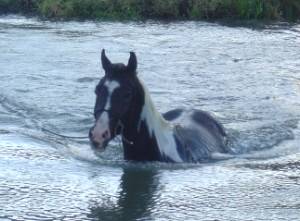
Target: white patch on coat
x,y
102,123
159,128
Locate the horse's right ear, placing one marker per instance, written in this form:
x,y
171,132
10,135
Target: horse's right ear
x,y
106,64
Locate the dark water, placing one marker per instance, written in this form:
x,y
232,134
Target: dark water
x,y
250,79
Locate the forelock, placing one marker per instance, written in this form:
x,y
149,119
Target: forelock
x,y
119,67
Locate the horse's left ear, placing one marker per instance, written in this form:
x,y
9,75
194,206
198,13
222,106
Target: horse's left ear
x,y
132,63
106,64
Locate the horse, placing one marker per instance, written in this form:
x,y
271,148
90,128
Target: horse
x,y
124,107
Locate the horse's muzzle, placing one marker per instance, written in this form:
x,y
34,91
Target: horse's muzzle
x,y
98,141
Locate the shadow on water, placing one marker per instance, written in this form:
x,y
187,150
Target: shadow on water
x,y
136,197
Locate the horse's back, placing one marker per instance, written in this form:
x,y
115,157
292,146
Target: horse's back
x,y
199,117
173,114
199,132
208,121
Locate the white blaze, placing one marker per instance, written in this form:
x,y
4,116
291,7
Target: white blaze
x,y
102,123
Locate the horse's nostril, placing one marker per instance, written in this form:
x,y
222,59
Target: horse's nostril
x,y
91,132
105,134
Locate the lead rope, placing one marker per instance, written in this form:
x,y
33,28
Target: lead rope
x,y
123,138
64,136
119,125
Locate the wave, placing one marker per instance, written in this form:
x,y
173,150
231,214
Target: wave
x,y
263,137
269,140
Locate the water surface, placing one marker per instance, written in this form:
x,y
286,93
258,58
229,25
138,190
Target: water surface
x,y
249,79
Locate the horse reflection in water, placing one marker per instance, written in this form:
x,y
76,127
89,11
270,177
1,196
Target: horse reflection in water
x,y
124,107
137,196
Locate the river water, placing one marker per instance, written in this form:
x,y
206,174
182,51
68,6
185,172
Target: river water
x,y
248,78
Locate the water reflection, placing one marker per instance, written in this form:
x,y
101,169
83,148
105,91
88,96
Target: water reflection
x,y
138,191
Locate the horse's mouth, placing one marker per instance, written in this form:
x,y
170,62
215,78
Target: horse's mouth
x,y
99,147
99,143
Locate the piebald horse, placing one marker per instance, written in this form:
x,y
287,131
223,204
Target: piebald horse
x,y
124,107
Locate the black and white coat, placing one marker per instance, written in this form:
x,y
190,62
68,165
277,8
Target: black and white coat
x,y
176,136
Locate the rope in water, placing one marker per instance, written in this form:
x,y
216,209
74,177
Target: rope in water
x,y
63,136
123,138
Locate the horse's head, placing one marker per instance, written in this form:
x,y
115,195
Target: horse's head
x,y
114,100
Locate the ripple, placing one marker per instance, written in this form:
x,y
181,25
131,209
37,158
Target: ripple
x,y
2,131
87,79
277,166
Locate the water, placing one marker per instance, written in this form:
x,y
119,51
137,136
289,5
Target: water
x,y
249,78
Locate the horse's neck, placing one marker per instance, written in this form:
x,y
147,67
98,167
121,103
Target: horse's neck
x,y
154,132
155,122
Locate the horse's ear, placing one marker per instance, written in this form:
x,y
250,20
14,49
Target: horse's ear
x,y
132,63
106,64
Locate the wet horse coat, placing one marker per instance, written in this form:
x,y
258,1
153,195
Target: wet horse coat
x,y
124,107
